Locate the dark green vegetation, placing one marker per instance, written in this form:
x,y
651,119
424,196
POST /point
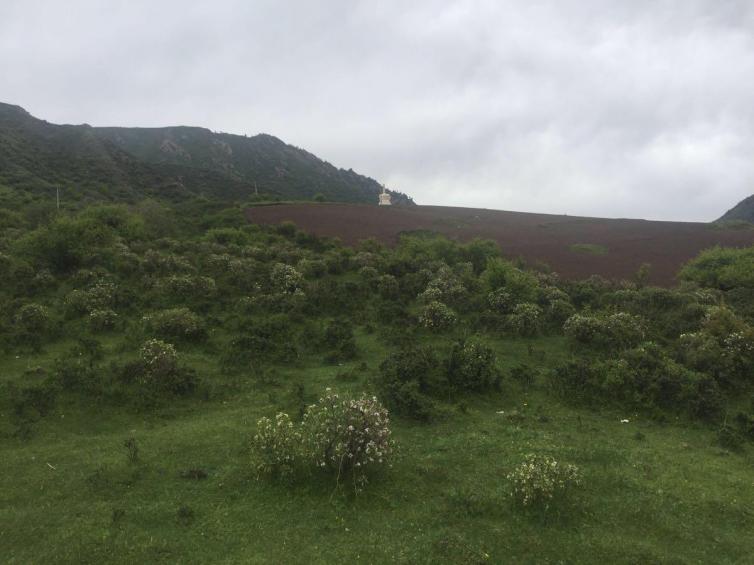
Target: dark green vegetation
x,y
743,211
141,345
589,248
176,163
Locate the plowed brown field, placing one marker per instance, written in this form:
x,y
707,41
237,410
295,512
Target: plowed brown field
x,y
535,237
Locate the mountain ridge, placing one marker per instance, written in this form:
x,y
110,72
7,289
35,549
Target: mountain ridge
x,y
174,161
743,211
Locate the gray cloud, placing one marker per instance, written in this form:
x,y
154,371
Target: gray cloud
x,y
594,107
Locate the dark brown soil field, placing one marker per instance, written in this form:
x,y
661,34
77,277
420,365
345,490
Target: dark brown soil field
x,y
621,246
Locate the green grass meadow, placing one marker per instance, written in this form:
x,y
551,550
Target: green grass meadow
x,y
653,492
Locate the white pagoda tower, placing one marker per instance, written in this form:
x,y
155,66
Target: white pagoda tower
x,y
384,197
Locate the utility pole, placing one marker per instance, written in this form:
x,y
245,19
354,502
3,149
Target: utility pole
x,y
256,190
57,197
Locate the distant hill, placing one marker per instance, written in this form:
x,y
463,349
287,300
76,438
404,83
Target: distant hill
x,y
116,163
744,210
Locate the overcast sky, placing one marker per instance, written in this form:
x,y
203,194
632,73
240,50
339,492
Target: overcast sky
x,y
624,108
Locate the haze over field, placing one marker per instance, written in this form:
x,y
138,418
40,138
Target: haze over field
x,y
609,108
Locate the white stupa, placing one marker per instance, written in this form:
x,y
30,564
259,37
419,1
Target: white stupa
x,y
384,197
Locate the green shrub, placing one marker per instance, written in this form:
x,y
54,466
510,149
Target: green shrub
x,y
524,375
406,381
721,267
541,481
611,332
347,435
499,273
525,320
33,318
286,279
339,341
500,301
261,341
343,435
102,320
472,366
643,378
276,446
387,287
159,369
178,323
436,316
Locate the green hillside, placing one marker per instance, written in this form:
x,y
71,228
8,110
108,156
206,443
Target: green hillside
x,y
743,211
91,163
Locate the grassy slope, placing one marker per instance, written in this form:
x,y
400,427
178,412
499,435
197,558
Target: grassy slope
x,y
672,496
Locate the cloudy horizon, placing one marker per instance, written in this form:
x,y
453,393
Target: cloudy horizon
x,y
599,108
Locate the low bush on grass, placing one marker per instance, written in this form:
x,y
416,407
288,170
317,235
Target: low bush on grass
x,y
177,323
406,381
158,371
644,378
348,437
541,481
472,366
339,341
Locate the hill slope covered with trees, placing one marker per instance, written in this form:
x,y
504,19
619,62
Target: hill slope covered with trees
x,y
129,164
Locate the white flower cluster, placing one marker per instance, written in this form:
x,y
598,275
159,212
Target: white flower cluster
x,y
739,344
100,296
276,446
344,435
286,279
103,319
437,316
444,286
159,358
540,478
347,434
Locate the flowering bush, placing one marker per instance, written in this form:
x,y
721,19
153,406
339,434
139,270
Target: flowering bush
x,y
616,331
188,286
33,318
158,370
526,319
100,296
100,320
276,446
341,434
500,301
176,323
558,311
540,480
285,278
445,286
431,294
437,316
159,359
347,435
